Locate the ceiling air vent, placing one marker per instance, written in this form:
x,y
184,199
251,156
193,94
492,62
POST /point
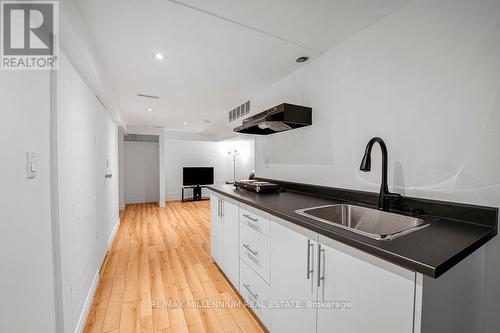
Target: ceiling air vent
x,y
141,138
240,111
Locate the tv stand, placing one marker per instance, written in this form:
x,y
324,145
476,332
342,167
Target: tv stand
x,y
196,193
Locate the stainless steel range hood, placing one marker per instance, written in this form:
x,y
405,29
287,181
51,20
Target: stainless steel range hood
x,y
281,118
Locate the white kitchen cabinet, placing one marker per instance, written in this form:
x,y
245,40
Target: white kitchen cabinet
x,y
224,231
360,293
231,244
255,250
255,291
293,254
216,230
255,219
352,291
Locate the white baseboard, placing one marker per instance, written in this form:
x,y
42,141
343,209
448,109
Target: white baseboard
x,y
88,303
113,233
95,282
140,201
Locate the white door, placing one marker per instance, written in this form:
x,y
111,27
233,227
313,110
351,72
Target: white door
x,y
363,297
216,231
141,172
293,278
231,241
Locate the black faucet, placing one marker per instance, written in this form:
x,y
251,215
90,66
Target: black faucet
x,y
385,196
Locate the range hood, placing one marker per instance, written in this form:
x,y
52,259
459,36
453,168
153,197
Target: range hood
x,y
281,118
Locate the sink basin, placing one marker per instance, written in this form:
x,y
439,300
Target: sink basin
x,y
372,223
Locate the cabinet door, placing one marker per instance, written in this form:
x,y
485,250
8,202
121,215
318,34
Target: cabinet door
x,y
292,279
231,242
380,295
216,231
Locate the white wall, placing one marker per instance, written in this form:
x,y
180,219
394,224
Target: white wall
x,y
26,281
205,153
141,172
427,80
78,46
87,149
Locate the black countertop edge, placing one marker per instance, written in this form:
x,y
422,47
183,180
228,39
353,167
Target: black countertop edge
x,y
452,261
363,243
448,210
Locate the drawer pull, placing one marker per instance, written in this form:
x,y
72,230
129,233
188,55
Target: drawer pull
x,y
247,287
246,246
254,226
250,218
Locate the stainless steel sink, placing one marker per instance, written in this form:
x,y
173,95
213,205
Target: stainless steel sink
x,y
366,221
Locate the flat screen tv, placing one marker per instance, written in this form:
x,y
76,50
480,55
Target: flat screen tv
x,y
197,176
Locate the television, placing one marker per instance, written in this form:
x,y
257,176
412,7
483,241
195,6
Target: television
x,y
192,176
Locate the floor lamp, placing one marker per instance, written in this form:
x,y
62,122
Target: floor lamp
x,y
234,154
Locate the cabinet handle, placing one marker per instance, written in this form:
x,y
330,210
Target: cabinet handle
x,y
309,270
246,246
253,226
320,278
218,207
221,207
250,218
247,287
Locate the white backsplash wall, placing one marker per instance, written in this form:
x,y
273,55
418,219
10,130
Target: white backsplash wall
x,y
427,80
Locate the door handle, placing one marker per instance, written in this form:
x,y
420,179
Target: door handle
x,y
320,252
309,270
247,246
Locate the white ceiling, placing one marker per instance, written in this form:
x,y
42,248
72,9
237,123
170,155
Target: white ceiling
x,y
218,53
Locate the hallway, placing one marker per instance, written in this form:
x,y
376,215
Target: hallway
x,y
157,267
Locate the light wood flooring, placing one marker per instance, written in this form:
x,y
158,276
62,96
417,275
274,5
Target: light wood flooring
x,y
157,268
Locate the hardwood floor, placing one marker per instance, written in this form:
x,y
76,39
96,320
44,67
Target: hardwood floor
x,y
159,276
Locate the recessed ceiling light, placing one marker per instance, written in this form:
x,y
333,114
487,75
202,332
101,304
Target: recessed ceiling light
x,y
185,123
301,59
149,109
159,56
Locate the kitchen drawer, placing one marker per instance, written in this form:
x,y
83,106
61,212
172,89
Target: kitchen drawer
x,y
256,219
255,250
255,291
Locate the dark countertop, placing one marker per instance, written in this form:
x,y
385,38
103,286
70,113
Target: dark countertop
x,y
431,251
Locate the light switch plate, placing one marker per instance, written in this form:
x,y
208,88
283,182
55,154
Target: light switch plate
x,y
31,167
